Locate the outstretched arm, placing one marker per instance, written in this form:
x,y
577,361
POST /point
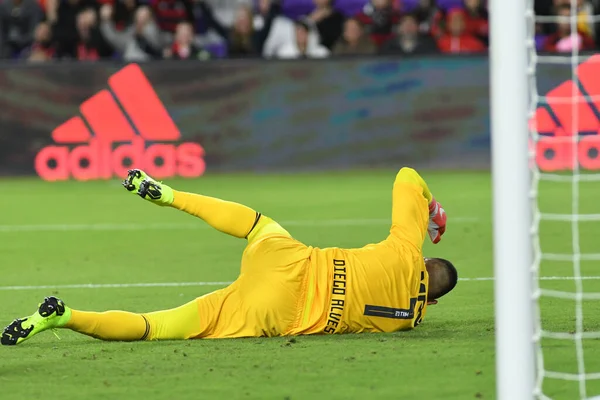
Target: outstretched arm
x,y
415,211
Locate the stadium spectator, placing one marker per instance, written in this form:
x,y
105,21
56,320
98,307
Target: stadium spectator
x,y
42,48
380,17
596,12
124,13
91,45
49,10
140,41
564,40
18,20
547,8
267,9
586,9
477,20
305,45
425,13
585,16
62,15
540,37
282,30
408,40
354,40
242,39
438,24
457,40
183,47
329,22
169,13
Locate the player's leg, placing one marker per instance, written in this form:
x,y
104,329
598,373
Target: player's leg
x,y
232,218
179,323
410,207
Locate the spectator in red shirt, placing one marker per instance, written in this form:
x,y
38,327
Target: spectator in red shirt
x,y
477,20
169,13
563,41
379,17
457,40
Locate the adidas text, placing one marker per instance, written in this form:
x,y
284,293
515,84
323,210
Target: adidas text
x,y
102,160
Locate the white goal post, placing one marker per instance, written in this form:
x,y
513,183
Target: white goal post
x,y
512,215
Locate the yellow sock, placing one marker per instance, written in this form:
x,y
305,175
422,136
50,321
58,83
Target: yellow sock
x,y
178,323
232,218
110,325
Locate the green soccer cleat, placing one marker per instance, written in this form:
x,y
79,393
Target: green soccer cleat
x,y
52,313
139,182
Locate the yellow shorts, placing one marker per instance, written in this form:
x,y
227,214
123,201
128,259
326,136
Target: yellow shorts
x,y
268,297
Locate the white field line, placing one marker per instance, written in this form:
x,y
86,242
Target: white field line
x,y
175,226
220,284
198,225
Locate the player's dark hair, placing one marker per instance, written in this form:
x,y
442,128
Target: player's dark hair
x,y
443,278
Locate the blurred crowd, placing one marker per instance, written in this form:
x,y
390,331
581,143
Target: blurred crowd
x,y
141,30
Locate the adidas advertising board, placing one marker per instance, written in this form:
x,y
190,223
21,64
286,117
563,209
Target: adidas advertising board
x,y
252,116
123,128
571,109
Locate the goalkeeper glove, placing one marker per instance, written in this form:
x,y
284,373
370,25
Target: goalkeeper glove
x,y
437,221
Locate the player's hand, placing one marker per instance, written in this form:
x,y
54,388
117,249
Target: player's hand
x,y
437,221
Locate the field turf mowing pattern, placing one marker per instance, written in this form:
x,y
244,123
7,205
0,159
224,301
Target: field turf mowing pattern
x,y
111,236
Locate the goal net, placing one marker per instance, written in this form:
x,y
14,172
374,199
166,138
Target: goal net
x,y
555,326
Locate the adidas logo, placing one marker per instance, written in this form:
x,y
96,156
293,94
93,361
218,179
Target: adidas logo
x,y
112,137
560,119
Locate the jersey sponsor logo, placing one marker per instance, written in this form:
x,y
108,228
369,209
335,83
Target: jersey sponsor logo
x,y
338,297
569,124
388,312
121,128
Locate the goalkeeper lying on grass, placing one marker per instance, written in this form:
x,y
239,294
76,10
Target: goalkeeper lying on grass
x,y
284,287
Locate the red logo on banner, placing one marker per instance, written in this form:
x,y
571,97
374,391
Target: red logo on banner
x,y
567,114
114,147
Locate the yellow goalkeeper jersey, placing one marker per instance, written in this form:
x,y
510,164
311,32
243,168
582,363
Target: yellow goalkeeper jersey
x,y
378,288
288,288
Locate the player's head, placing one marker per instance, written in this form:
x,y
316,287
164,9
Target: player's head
x,y
442,277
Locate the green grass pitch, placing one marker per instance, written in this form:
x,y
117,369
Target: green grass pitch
x,y
116,238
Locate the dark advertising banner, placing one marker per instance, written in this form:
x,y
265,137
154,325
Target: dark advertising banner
x,y
93,121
